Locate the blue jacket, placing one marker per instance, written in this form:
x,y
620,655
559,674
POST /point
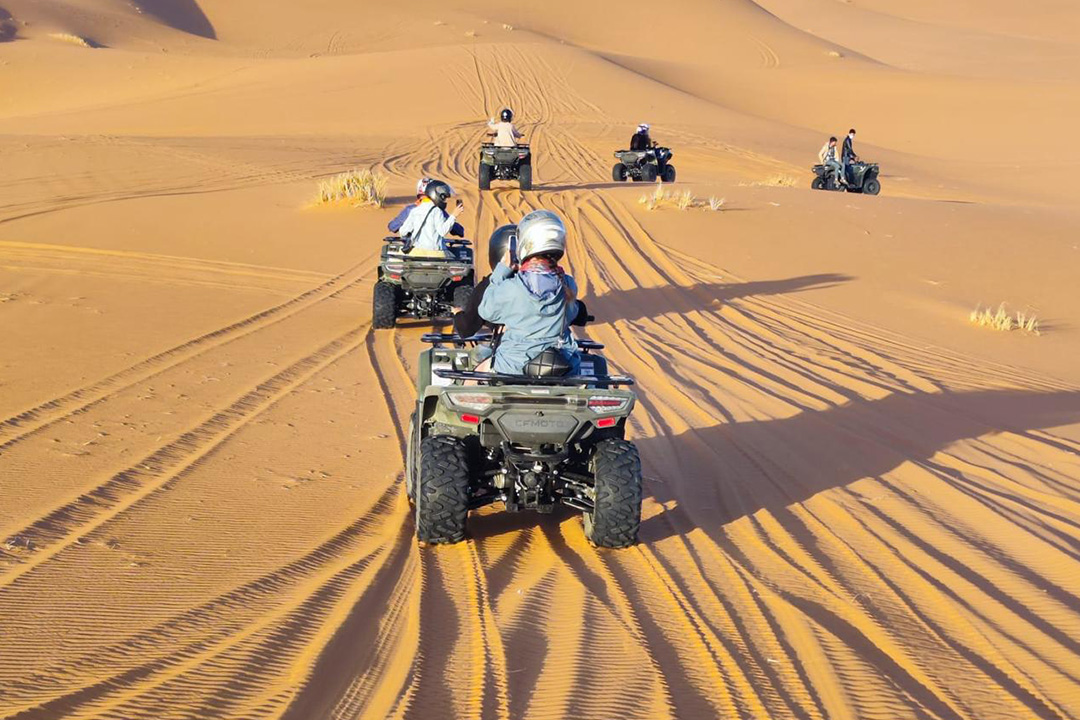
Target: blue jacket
x,y
395,225
531,324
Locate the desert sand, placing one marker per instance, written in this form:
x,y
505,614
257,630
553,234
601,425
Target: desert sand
x,y
858,504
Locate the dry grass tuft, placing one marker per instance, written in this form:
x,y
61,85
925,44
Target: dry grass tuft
x,y
777,180
359,187
507,26
685,200
438,23
73,39
1002,321
470,33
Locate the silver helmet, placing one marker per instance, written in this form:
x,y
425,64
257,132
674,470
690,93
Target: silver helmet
x,y
504,237
541,232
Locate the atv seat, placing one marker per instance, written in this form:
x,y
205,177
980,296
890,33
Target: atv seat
x,y
549,363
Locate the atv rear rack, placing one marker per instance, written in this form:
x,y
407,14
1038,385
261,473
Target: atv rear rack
x,y
440,338
494,378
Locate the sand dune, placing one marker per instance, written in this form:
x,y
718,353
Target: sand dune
x,y
857,504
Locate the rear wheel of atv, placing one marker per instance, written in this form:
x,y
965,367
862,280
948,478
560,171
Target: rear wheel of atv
x,y
485,176
410,461
618,172
525,176
871,187
818,184
668,175
648,173
384,306
616,514
462,295
442,490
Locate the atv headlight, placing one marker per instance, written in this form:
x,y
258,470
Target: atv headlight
x,y
470,401
607,404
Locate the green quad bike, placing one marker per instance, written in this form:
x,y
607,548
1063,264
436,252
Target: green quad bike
x,y
531,442
505,163
421,287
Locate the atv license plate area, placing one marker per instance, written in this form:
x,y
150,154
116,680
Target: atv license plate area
x,y
537,427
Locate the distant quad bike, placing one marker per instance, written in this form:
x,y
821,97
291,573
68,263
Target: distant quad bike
x,y
505,163
421,287
864,178
530,441
643,165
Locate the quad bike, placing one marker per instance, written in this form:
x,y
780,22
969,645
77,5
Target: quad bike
x,y
644,165
505,163
863,179
531,441
420,287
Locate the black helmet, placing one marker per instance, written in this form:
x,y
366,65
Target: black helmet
x,y
439,192
507,115
503,237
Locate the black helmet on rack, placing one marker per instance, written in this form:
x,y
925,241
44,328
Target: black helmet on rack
x,y
439,192
504,237
506,115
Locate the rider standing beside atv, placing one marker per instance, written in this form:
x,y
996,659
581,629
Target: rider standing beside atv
x,y
399,220
506,135
847,155
827,157
534,305
428,223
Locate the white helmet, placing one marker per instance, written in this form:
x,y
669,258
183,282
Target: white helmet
x,y
643,127
421,185
541,232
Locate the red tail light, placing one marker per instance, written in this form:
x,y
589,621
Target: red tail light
x,y
471,419
605,422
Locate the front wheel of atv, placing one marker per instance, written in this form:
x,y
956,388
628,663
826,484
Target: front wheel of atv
x,y
384,306
485,176
618,172
648,173
442,490
616,514
871,187
525,177
462,295
668,175
818,184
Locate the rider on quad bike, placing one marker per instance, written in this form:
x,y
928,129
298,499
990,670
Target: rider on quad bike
x,y
428,223
645,161
395,225
504,131
467,322
543,430
535,305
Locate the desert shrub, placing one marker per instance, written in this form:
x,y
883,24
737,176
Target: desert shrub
x,y
359,187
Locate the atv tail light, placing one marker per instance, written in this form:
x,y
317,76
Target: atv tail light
x,y
605,422
471,419
603,404
395,267
470,401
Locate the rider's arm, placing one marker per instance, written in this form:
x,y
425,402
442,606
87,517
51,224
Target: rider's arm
x,y
457,230
494,300
468,322
409,225
395,224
